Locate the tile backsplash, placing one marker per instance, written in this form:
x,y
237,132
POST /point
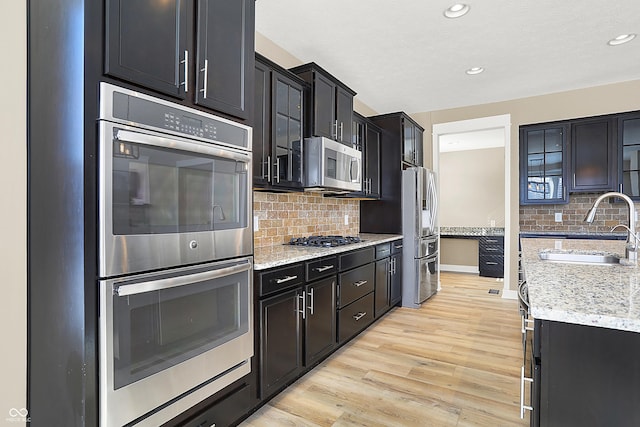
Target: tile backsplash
x,y
282,216
542,217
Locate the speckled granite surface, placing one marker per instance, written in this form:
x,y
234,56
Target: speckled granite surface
x,y
273,256
595,295
471,231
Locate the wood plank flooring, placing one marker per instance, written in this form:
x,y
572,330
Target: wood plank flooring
x,y
453,362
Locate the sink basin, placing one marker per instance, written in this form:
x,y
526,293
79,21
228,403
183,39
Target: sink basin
x,y
579,258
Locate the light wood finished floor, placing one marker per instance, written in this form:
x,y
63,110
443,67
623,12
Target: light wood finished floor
x,y
454,362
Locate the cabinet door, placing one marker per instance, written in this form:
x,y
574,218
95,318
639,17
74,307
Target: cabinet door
x,y
382,287
344,115
146,43
395,282
543,164
262,126
324,98
629,141
372,161
593,155
287,132
280,340
408,142
225,39
320,323
418,147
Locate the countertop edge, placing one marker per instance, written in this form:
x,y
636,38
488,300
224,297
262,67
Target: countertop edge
x,y
280,255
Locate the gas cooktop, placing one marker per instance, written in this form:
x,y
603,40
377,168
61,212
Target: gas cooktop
x,y
324,241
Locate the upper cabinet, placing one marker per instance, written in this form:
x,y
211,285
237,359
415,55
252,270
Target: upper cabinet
x,y
330,104
629,143
594,156
150,43
278,128
543,164
367,137
412,150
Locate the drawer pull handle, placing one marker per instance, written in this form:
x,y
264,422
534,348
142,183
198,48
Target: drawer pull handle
x,y
492,249
323,268
286,279
360,283
491,241
491,263
359,316
524,407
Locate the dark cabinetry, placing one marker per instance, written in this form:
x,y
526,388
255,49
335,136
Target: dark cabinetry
x,y
587,376
491,256
593,155
388,276
366,137
330,104
395,280
384,215
629,143
150,44
543,164
356,283
297,321
278,127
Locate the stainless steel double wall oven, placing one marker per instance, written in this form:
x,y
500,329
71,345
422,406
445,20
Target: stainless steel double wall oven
x,y
175,264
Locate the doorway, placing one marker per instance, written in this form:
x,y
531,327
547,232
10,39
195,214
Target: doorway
x,y
486,125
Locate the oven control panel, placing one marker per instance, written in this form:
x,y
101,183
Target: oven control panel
x,y
133,108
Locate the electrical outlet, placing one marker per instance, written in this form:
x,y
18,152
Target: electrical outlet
x,y
493,223
255,223
558,216
346,220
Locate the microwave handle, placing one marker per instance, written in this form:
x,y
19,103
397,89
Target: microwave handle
x,y
172,282
179,144
357,164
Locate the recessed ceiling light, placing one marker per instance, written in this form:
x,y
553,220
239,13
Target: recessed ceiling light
x,y
623,38
474,70
457,10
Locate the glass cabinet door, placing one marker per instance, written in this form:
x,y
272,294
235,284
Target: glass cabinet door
x,y
629,134
287,141
543,164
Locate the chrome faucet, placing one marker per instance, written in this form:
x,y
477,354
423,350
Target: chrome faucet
x,y
631,247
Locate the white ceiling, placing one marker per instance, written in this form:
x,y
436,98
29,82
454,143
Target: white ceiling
x,y
405,55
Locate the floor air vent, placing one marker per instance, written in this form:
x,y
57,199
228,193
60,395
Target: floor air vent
x,y
494,291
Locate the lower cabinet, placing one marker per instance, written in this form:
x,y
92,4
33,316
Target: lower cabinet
x,y
320,321
587,376
491,256
388,276
395,285
355,317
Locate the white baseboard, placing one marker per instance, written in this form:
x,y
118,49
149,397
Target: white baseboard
x,y
509,294
460,268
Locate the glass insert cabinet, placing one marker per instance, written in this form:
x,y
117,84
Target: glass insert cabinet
x,y
543,164
629,134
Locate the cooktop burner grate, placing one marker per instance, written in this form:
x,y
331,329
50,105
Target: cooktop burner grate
x,y
324,241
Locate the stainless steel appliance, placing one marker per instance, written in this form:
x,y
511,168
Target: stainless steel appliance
x,y
170,340
331,166
175,265
173,184
420,274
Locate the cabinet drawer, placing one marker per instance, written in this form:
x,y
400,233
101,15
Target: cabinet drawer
x,y
280,278
226,411
383,250
490,250
491,266
321,268
355,317
356,258
396,247
355,283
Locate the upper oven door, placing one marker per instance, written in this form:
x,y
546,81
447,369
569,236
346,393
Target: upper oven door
x,y
166,201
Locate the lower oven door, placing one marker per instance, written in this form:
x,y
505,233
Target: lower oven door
x,y
170,339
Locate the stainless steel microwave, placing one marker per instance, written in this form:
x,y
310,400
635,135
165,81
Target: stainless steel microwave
x,y
331,166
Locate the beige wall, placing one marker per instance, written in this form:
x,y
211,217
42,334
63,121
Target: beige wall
x,y
607,99
13,214
459,252
471,188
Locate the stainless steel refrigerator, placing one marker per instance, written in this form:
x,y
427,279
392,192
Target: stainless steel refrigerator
x,y
420,274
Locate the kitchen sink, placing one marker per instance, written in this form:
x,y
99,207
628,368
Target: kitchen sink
x,y
580,258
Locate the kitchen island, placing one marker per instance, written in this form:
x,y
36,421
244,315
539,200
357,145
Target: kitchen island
x,y
585,357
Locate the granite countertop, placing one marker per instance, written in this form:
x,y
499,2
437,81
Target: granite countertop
x,y
471,231
274,256
595,295
575,235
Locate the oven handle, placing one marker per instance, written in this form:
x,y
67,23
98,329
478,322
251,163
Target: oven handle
x,y
178,144
172,282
